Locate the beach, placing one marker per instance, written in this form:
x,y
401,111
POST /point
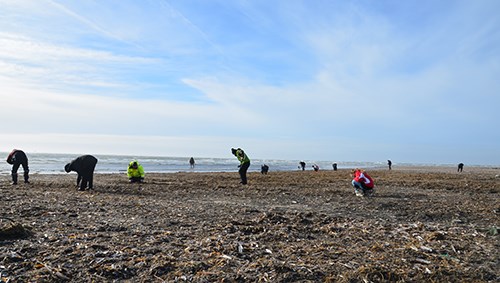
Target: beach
x,y
422,224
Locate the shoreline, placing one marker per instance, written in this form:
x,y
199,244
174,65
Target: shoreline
x,y
54,164
417,169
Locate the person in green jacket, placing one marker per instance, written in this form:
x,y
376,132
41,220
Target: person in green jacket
x,y
135,172
244,163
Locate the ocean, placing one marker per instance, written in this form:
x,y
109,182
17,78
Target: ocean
x,y
51,163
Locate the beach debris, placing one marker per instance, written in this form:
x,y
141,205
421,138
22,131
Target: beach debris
x,y
426,249
423,261
182,229
226,257
240,248
9,229
493,231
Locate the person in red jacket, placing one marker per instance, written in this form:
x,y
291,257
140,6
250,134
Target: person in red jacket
x,y
362,183
18,158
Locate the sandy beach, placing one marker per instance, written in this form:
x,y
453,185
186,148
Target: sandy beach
x,y
422,225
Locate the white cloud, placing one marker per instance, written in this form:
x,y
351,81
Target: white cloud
x,y
50,66
311,78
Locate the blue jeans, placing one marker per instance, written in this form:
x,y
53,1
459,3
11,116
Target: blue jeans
x,y
359,186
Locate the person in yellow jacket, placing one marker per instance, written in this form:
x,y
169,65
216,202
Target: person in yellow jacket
x,y
244,163
135,172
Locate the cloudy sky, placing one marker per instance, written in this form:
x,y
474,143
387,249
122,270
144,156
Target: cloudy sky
x,y
362,80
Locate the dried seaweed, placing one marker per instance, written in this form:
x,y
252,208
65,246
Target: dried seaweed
x,y
282,227
10,230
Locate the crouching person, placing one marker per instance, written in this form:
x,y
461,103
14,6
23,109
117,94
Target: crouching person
x,y
84,166
362,183
135,172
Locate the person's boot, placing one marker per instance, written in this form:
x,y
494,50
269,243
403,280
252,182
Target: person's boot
x,y
14,179
26,178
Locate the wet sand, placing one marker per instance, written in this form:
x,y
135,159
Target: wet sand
x,y
422,225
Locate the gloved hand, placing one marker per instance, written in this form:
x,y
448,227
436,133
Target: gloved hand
x,y
239,166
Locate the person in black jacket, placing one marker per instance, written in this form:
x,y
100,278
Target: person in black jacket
x,y
17,158
302,165
84,166
264,169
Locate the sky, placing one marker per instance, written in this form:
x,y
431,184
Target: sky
x,y
414,81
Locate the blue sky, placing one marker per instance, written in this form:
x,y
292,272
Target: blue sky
x,y
410,81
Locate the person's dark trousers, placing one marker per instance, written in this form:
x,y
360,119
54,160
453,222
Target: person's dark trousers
x,y
243,172
15,167
87,179
88,176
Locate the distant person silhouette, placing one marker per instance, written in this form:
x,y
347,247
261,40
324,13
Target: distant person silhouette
x,y
18,158
244,163
315,167
135,172
460,167
191,162
84,166
334,165
302,165
389,163
264,169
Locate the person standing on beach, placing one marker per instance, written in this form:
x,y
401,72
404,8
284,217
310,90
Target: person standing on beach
x,y
362,183
389,163
244,163
460,167
191,162
18,158
135,172
334,165
84,166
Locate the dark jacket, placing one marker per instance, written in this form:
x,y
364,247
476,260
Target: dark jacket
x,y
83,165
17,156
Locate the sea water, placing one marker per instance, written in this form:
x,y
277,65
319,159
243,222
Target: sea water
x,y
51,163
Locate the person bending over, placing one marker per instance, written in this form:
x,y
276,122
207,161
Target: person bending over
x,y
244,163
264,169
84,166
18,158
135,172
302,165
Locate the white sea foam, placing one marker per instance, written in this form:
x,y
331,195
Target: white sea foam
x,y
50,163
